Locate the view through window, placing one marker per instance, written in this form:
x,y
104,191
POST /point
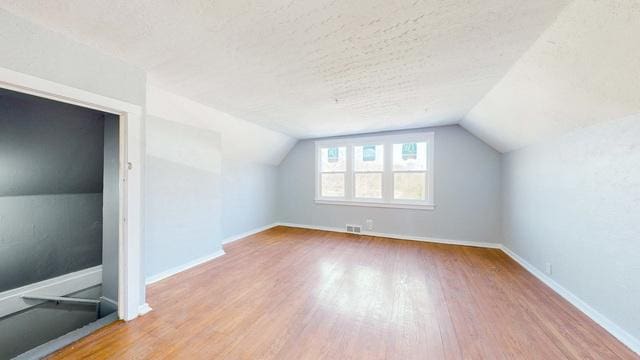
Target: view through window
x,y
390,171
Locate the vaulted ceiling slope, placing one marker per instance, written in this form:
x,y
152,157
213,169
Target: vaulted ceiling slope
x,y
584,69
314,68
241,140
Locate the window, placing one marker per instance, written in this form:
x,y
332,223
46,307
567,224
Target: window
x,y
410,171
384,171
333,167
368,168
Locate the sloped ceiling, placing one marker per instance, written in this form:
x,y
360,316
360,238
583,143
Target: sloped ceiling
x,y
241,140
313,68
583,70
513,72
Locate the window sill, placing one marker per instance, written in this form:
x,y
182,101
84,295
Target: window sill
x,y
376,204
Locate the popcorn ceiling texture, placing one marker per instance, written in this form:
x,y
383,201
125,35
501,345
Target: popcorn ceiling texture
x,y
312,68
511,72
585,69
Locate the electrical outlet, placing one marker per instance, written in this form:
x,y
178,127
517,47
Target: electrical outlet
x,y
547,268
369,223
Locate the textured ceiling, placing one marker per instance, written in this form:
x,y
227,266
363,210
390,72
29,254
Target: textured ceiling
x,y
584,69
312,68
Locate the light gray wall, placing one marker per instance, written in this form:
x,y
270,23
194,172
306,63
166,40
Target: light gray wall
x,y
466,184
110,208
183,200
51,158
574,202
249,197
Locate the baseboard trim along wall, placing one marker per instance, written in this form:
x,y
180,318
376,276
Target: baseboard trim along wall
x,y
175,270
615,330
11,301
608,325
248,233
143,309
109,300
619,333
170,272
399,237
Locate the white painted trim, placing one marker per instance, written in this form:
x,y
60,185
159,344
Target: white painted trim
x,y
180,268
109,300
143,309
615,330
131,280
401,237
130,284
33,85
376,204
387,200
11,301
233,238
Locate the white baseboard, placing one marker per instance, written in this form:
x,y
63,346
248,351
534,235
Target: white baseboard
x,y
109,300
143,309
400,237
167,273
11,301
248,233
610,326
615,330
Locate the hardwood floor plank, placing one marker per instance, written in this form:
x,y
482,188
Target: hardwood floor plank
x,y
291,293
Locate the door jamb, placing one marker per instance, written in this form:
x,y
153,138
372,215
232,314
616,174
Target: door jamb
x,y
131,302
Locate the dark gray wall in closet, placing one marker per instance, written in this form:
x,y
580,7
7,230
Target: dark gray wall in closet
x,y
51,180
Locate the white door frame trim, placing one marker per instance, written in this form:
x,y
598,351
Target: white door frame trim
x,y
131,142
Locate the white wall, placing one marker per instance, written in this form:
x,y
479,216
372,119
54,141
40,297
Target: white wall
x,y
249,196
33,50
466,184
182,191
250,155
574,202
242,141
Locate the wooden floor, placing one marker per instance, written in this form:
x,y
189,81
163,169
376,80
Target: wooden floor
x,y
304,294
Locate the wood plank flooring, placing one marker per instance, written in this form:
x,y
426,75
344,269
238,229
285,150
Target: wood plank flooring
x,y
304,294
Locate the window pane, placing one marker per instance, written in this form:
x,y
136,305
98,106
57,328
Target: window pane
x,y
368,158
410,156
333,159
368,185
409,186
332,185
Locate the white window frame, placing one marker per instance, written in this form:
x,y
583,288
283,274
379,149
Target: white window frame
x,y
354,172
387,142
344,174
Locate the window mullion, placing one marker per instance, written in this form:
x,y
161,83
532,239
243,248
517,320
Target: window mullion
x,y
387,175
349,174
